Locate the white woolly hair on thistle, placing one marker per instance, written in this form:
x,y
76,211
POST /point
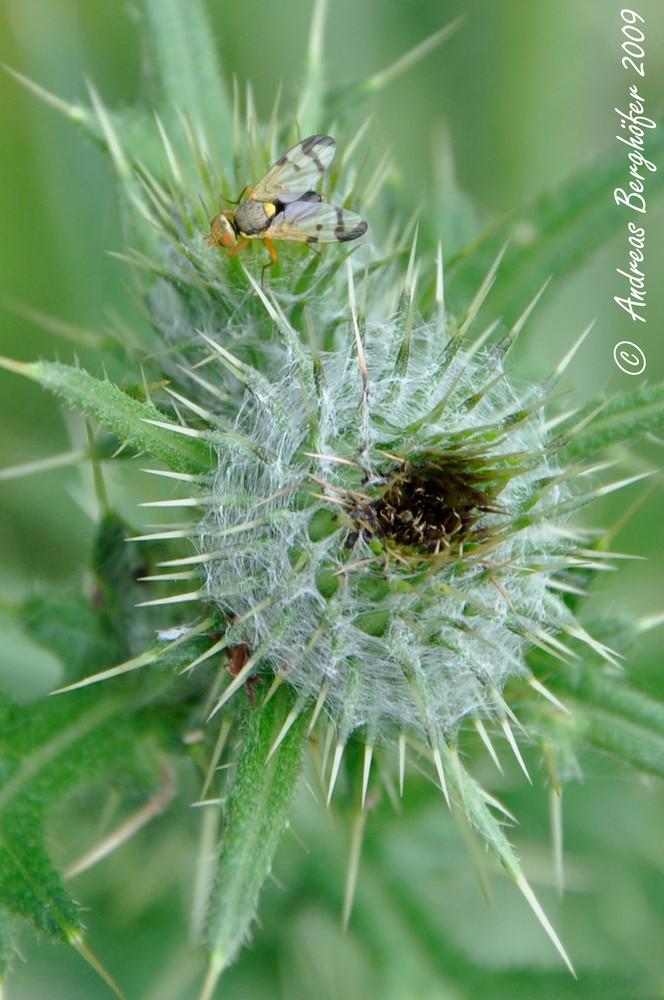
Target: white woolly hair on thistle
x,y
388,534
384,513
384,527
387,513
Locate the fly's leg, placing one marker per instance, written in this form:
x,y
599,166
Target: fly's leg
x,y
273,254
245,190
242,245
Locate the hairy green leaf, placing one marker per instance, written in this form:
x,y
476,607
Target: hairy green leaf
x,y
257,812
552,236
132,420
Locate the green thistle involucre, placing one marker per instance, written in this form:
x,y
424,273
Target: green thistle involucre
x,y
381,532
386,524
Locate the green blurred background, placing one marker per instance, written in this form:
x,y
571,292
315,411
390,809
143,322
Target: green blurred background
x,y
521,97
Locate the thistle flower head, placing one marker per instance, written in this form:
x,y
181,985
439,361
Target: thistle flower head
x,y
386,524
385,518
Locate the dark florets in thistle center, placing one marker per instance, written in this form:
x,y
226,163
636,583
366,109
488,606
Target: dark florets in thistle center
x,y
428,506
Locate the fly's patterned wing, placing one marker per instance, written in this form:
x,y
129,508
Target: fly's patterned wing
x,y
297,171
285,206
308,221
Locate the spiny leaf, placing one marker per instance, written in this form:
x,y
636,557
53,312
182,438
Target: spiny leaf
x,y
126,416
47,750
187,64
52,747
257,811
619,419
481,819
551,237
611,715
135,127
639,745
71,630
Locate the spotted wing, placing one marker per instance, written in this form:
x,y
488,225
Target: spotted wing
x,y
297,171
315,222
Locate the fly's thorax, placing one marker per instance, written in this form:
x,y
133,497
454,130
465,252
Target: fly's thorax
x,y
254,217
